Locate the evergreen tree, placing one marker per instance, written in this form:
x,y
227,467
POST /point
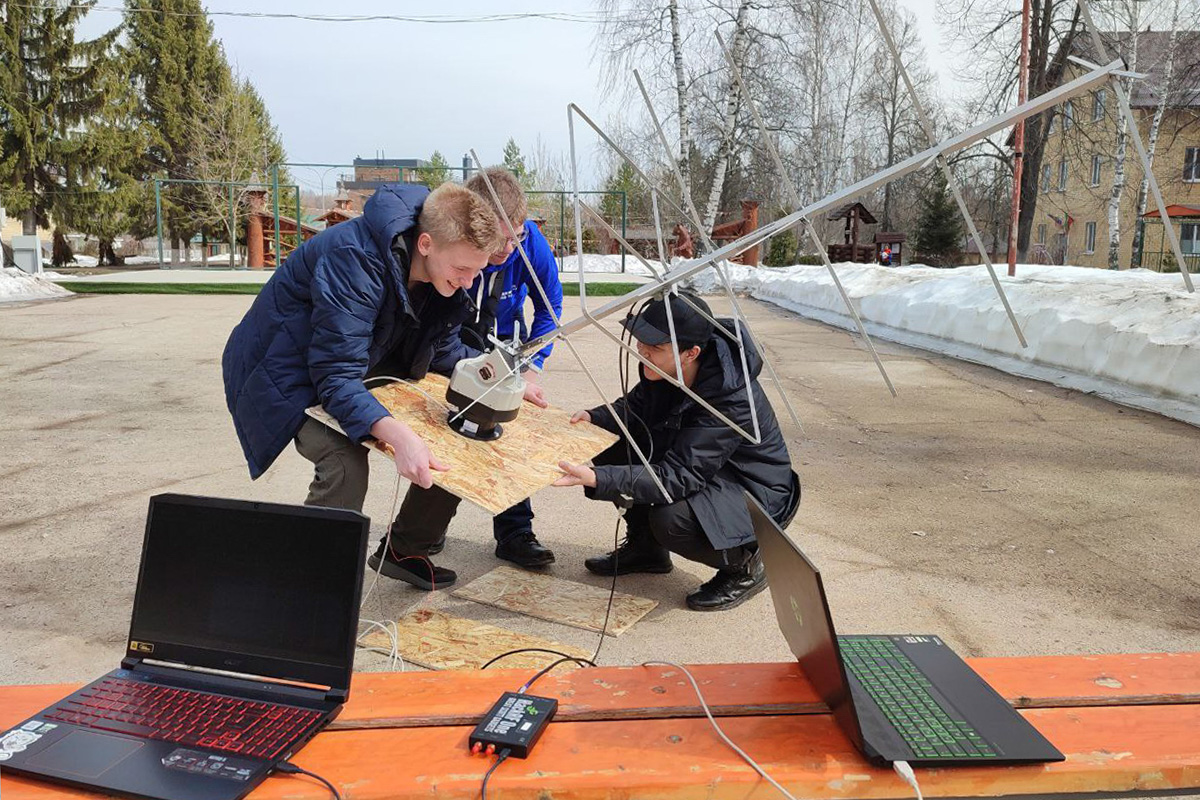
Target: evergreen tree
x,y
104,196
939,229
626,180
176,68
782,251
514,162
51,84
436,173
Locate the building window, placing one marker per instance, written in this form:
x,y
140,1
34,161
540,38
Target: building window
x,y
1062,175
1089,237
1041,230
1098,100
1054,112
1045,178
1096,162
1189,238
1068,116
1191,164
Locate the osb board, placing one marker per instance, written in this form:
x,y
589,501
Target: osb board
x,y
493,475
437,640
556,600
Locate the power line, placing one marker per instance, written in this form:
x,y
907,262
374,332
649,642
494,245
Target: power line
x,y
431,19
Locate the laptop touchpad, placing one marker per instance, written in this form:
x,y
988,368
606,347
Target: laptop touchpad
x,y
85,754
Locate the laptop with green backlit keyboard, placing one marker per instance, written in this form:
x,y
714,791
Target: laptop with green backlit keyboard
x,y
898,697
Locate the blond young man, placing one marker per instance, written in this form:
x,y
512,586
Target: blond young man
x,y
379,294
499,295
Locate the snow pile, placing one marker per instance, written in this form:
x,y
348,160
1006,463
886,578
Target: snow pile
x,y
593,262
16,285
1132,336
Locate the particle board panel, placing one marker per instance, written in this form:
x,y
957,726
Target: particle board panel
x,y
492,475
546,597
434,639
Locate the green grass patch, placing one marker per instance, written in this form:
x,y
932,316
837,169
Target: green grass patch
x,y
97,287
570,288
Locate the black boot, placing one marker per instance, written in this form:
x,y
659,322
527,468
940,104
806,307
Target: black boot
x,y
524,550
730,587
418,571
629,557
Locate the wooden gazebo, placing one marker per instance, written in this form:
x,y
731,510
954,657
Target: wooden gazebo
x,y
850,249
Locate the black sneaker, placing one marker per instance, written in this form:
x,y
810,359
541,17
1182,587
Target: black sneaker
x,y
415,570
437,546
729,588
629,558
524,550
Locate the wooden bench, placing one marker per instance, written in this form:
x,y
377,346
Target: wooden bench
x,y
1127,723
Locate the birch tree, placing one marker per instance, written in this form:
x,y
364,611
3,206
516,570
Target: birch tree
x,y
1165,89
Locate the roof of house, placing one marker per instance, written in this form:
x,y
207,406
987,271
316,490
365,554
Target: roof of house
x,y
1153,58
1175,210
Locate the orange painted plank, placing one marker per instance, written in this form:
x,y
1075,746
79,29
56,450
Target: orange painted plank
x,y
441,698
1109,749
1126,678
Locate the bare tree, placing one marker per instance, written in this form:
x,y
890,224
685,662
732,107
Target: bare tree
x,y
229,145
990,31
737,48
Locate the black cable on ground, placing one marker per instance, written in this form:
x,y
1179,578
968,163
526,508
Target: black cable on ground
x,y
535,650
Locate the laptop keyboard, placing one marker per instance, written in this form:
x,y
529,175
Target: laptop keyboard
x,y
902,692
199,719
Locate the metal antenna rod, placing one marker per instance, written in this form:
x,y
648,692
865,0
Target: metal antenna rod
x,y
913,163
797,204
738,317
677,380
949,173
1151,180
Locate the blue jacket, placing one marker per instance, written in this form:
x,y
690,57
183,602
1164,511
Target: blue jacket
x,y
510,283
338,307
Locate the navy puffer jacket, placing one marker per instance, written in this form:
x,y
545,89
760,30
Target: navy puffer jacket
x,y
338,307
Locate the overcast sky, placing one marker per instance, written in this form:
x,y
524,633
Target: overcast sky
x,y
346,89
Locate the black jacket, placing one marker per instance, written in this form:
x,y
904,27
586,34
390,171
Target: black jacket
x,y
698,457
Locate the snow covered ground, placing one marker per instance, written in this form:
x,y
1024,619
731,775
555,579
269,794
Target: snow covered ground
x,y
16,285
1130,336
593,263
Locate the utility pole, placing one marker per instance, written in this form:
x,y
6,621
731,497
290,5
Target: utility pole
x,y
1019,141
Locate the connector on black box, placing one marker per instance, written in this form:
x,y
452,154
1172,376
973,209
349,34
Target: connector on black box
x,y
514,723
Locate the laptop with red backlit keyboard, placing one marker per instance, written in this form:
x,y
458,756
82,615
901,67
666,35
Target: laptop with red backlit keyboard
x,y
240,650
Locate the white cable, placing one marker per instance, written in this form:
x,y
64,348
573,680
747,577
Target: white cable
x,y
717,727
390,630
906,772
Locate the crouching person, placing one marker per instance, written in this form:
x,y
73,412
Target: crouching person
x,y
703,463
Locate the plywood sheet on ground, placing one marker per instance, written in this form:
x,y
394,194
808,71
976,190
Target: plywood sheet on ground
x,y
556,600
493,475
437,640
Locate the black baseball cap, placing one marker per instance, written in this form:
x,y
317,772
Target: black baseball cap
x,y
650,325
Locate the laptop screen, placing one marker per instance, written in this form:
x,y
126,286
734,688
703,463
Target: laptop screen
x,y
803,616
258,588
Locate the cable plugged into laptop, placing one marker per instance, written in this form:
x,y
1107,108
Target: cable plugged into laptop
x,y
905,771
291,769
